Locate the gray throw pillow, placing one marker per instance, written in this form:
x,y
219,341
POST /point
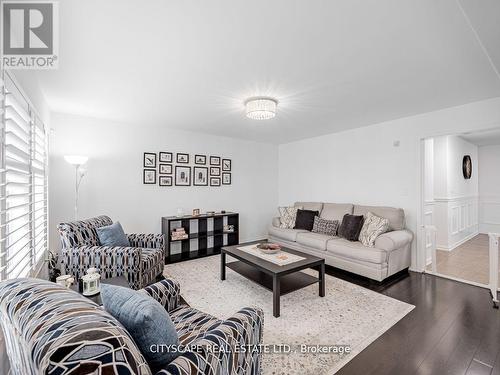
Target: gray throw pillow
x,y
146,320
112,235
324,226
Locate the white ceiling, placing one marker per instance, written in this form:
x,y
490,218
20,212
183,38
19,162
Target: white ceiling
x,y
484,138
332,65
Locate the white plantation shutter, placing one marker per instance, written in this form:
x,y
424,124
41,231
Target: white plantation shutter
x,y
23,184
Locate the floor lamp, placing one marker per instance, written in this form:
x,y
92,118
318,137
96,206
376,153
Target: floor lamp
x,y
78,161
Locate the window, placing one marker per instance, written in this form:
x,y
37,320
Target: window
x,y
23,184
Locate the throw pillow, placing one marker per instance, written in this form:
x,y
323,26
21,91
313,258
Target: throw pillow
x,y
305,219
324,226
112,235
288,216
373,227
351,226
145,319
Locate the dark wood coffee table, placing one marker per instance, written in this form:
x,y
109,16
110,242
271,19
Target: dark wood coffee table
x,y
278,279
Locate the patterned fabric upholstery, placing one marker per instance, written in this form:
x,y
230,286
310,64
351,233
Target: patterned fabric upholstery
x,y
243,329
141,263
52,330
167,292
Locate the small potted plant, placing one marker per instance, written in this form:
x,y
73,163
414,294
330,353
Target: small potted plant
x,y
54,272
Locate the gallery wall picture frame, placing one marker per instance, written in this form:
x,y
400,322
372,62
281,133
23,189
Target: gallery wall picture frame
x,y
165,169
226,165
200,176
182,158
182,175
226,178
165,157
214,181
200,159
214,160
165,180
149,177
149,160
214,171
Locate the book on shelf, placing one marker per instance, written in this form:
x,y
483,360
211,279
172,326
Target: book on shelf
x,y
179,234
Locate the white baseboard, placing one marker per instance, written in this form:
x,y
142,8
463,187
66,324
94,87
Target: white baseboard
x,y
457,244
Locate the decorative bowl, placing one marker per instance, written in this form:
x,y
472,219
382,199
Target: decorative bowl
x,y
269,248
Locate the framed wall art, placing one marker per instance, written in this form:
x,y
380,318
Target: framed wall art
x,y
165,157
214,171
149,176
149,160
226,165
182,158
200,159
214,160
200,176
165,169
214,181
165,180
182,176
226,178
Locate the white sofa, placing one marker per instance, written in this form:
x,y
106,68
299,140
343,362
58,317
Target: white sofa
x,y
390,255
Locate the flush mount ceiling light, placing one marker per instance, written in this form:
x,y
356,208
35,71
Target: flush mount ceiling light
x,y
261,108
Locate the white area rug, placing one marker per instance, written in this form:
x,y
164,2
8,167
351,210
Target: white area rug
x,y
347,315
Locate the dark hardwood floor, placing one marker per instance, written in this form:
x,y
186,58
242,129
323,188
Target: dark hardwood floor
x,y
452,330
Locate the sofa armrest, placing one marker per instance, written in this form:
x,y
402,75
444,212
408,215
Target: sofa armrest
x,y
147,241
167,292
242,331
110,262
391,241
276,222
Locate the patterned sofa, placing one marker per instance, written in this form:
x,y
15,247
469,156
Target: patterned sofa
x,y
141,263
49,329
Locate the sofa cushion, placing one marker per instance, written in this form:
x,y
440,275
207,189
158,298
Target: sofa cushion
x,y
356,250
315,240
313,206
336,211
396,216
285,234
305,219
351,227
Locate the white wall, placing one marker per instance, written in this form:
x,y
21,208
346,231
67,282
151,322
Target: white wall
x,y
489,189
113,184
455,201
363,166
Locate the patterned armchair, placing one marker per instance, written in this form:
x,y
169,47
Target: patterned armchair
x,y
49,329
141,263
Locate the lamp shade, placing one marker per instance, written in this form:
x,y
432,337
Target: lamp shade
x,y
76,159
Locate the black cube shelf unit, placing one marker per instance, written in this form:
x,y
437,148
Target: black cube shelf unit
x,y
206,235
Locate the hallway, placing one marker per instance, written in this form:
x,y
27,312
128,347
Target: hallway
x,y
469,261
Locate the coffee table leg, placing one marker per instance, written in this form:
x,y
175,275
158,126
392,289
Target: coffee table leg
x,y
223,266
276,296
322,280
